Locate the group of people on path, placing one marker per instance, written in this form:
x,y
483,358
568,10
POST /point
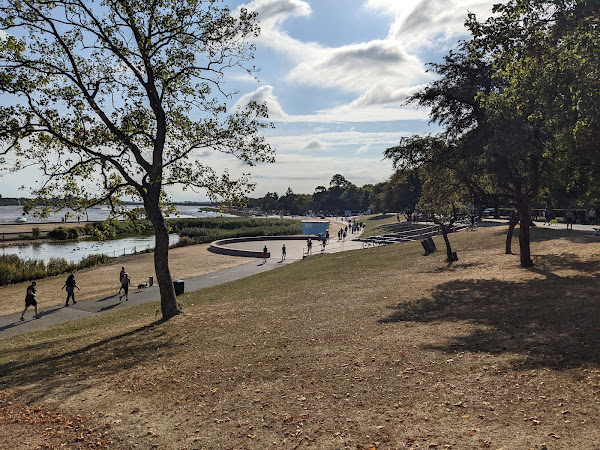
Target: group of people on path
x,y
70,286
30,299
571,217
266,253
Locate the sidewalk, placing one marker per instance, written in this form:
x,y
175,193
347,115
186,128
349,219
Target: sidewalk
x,y
10,325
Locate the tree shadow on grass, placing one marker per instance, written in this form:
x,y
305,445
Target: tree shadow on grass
x,y
552,321
66,373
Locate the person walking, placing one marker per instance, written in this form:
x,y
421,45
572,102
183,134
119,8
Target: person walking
x,y
30,300
570,219
125,286
283,252
121,274
70,285
592,216
265,253
309,246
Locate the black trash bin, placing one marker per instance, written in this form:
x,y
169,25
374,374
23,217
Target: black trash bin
x,y
179,287
428,245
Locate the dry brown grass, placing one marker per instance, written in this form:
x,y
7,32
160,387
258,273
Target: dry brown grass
x,y
381,348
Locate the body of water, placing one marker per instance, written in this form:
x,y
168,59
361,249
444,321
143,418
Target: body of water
x,y
76,251
9,214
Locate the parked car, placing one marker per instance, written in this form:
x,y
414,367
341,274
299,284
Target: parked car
x,y
489,211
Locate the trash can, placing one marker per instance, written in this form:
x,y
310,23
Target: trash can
x,y
428,245
151,281
179,287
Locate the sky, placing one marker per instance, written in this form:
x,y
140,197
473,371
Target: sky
x,y
335,75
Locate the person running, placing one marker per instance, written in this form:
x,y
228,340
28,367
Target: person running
x,y
283,252
70,285
30,300
121,274
125,286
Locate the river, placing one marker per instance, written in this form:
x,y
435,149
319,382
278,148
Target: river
x,y
76,251
9,214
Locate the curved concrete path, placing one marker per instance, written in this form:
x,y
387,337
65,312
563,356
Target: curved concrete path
x,y
11,325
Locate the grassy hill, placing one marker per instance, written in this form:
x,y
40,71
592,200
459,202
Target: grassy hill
x,y
378,348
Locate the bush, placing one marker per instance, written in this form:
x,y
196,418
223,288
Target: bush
x,y
184,241
64,234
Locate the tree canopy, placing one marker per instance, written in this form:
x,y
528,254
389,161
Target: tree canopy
x,y
118,99
518,108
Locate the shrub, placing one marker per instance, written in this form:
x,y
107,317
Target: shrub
x,y
64,234
184,241
15,270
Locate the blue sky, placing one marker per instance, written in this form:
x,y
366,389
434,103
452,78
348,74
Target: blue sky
x,y
334,74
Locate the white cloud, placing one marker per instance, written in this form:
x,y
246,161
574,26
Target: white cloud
x,y
337,141
375,105
423,23
363,149
352,67
381,95
278,10
315,144
264,94
348,68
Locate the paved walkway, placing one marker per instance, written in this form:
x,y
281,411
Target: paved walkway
x,y
11,325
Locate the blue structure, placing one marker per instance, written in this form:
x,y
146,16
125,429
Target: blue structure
x,y
315,227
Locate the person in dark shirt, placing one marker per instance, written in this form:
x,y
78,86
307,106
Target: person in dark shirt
x,y
70,285
30,300
125,286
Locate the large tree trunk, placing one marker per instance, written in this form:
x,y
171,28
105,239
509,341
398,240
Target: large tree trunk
x,y
168,302
511,228
524,240
450,255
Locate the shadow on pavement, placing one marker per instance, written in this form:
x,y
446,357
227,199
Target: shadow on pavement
x,y
107,298
23,322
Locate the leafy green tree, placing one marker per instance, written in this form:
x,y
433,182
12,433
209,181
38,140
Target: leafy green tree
x,y
402,192
114,99
339,181
540,133
512,107
444,193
